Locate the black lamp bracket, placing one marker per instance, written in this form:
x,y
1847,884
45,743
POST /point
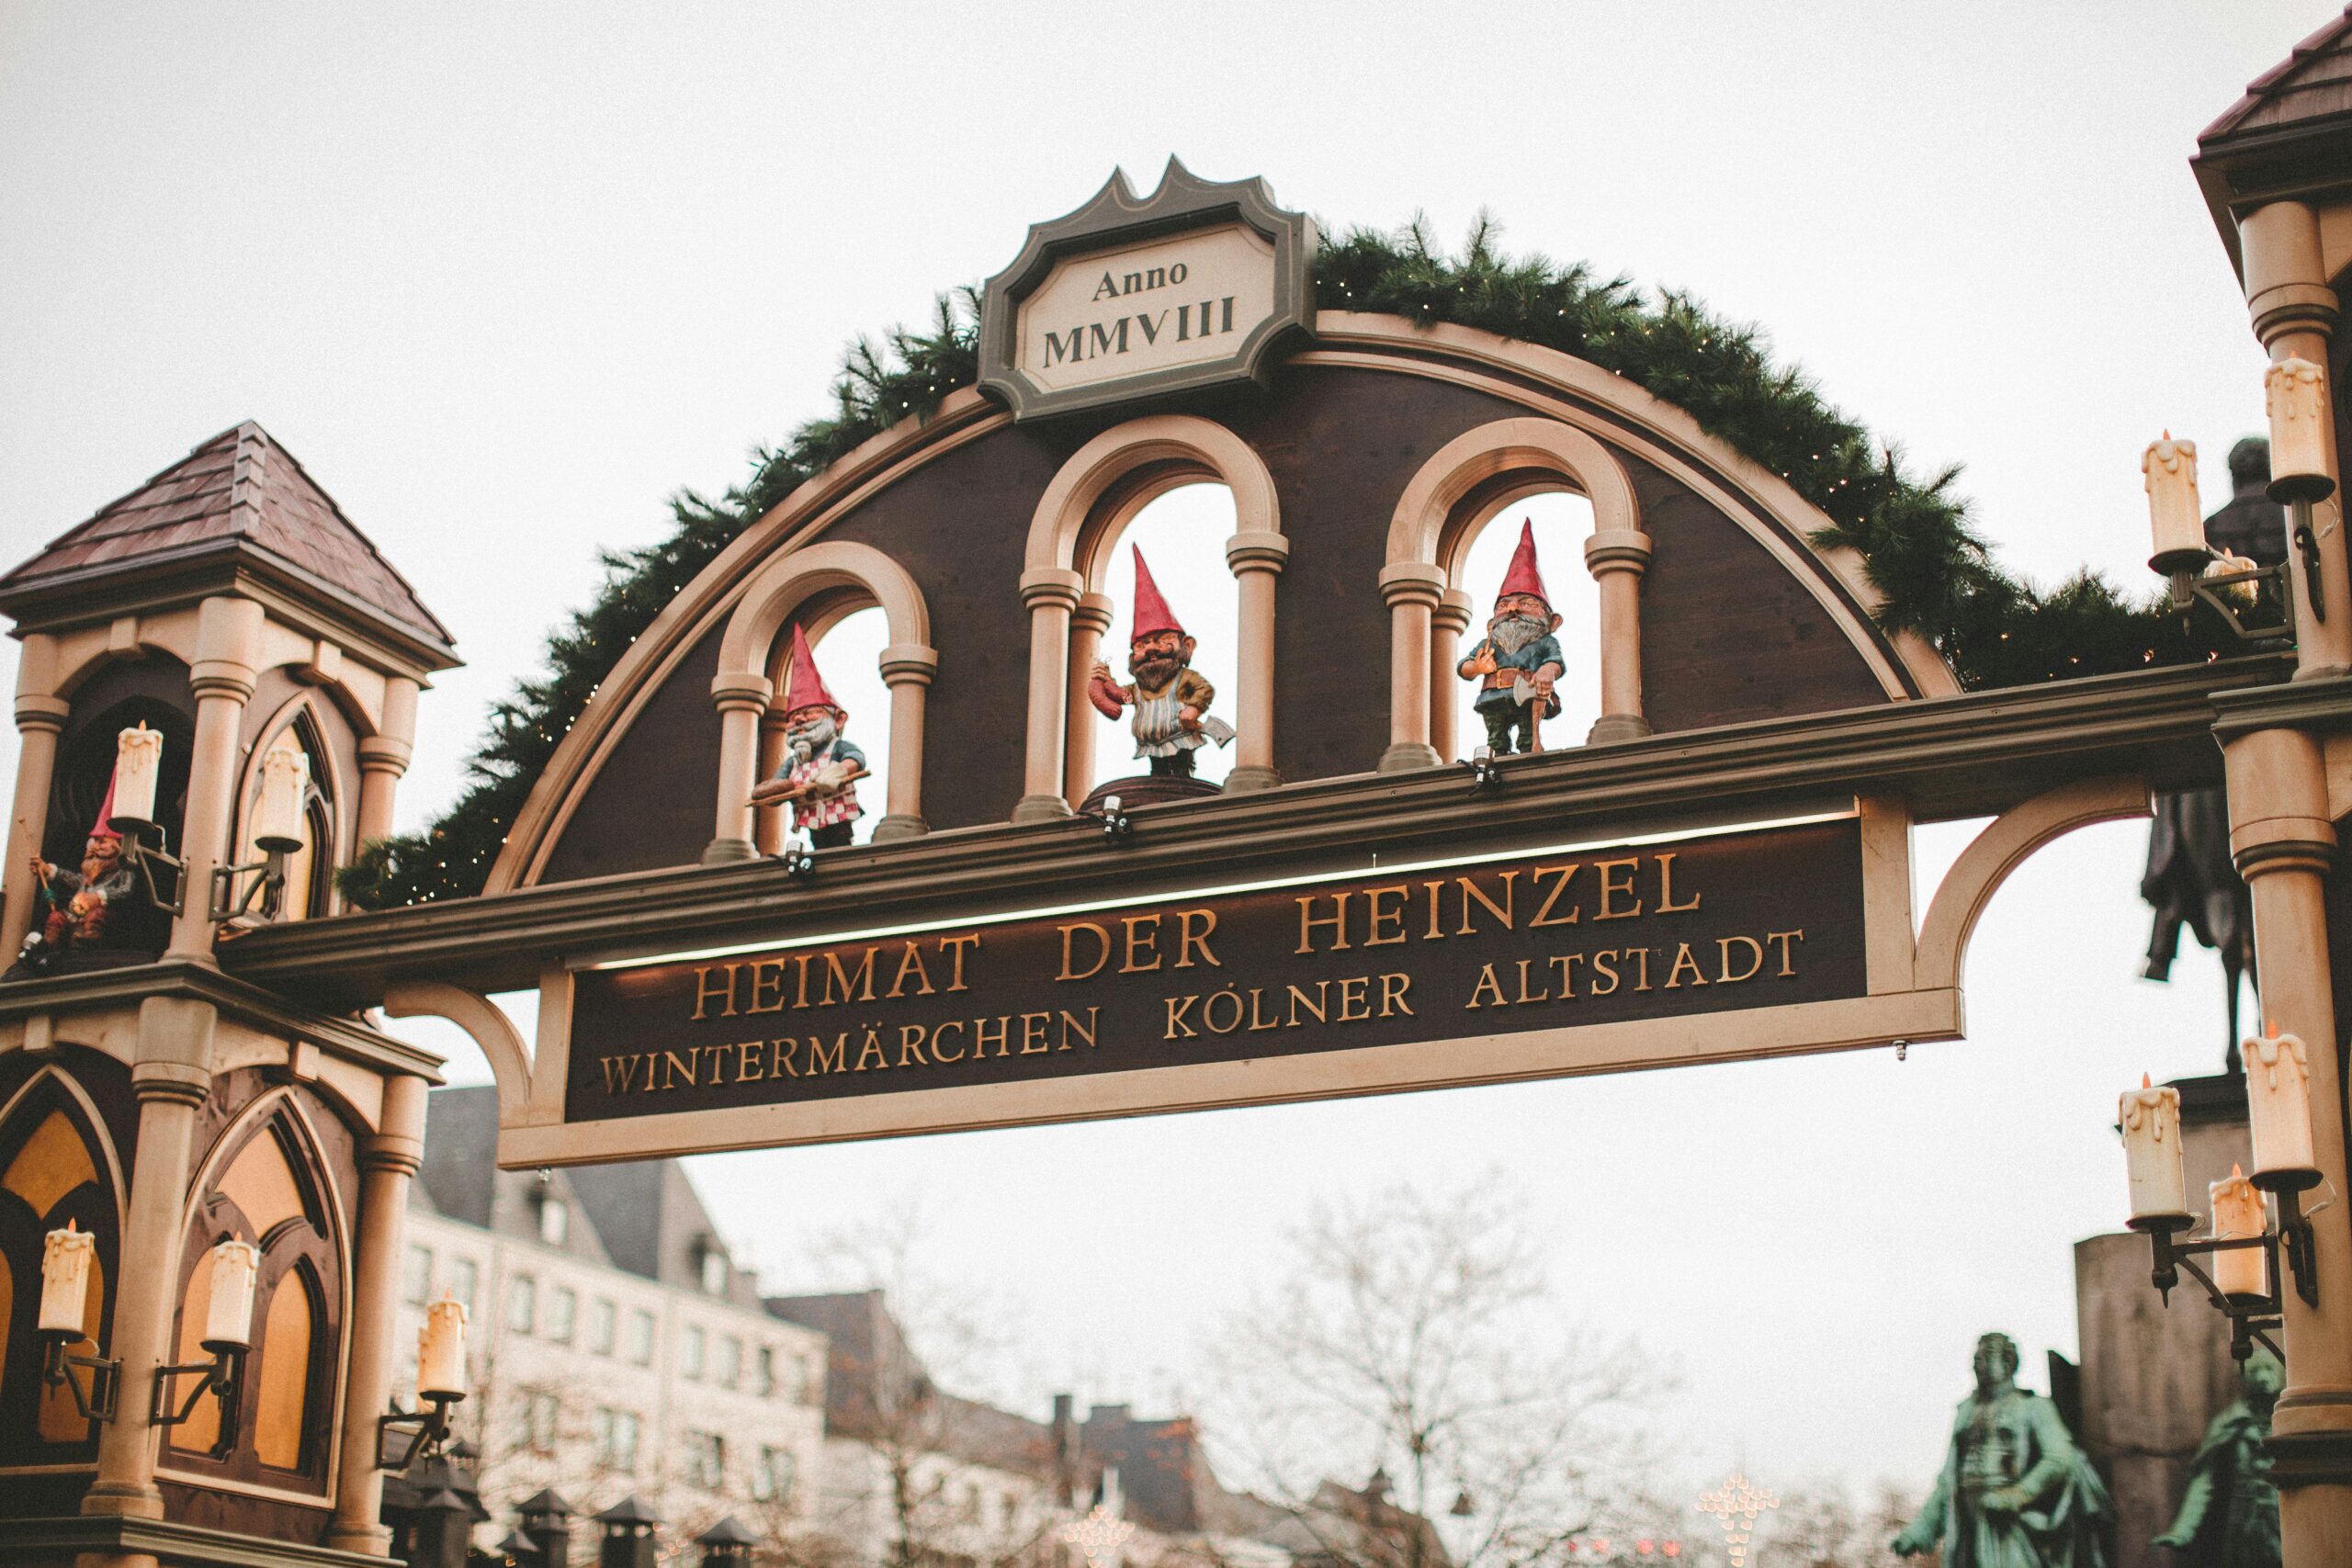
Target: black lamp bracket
x,y
95,1396
218,1377
2253,1319
428,1431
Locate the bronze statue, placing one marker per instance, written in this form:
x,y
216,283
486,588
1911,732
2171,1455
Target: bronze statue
x,y
2015,1492
2229,1515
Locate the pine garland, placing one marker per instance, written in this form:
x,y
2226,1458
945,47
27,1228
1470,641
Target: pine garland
x,y
1919,546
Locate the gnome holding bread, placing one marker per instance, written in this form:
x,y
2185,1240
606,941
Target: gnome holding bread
x,y
1171,699
820,770
1516,661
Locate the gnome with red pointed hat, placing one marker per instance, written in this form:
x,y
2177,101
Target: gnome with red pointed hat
x,y
1519,659
820,770
74,906
1169,697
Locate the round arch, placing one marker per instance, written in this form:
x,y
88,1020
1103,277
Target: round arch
x,y
840,576
1428,535
1091,500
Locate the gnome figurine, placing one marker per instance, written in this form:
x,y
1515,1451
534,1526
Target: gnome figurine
x,y
1519,659
73,904
1171,699
820,770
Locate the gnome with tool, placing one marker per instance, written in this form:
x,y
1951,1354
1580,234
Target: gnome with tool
x,y
820,770
74,906
1169,697
1516,661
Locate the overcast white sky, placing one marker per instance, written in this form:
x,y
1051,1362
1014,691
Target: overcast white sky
x,y
505,276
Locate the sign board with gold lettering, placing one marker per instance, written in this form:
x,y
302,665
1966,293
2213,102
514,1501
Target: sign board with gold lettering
x,y
1128,299
1532,961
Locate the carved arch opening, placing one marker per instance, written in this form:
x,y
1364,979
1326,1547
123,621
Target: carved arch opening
x,y
58,1168
1091,500
299,727
821,584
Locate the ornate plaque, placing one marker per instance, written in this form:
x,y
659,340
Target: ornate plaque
x,y
1127,299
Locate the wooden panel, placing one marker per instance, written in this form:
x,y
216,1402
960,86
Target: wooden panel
x,y
52,1162
285,1375
652,803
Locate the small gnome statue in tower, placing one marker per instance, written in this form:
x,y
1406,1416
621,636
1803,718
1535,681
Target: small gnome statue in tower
x,y
72,907
1516,661
1169,697
820,770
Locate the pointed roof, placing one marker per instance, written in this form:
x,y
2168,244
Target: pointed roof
x,y
2314,83
2290,136
239,494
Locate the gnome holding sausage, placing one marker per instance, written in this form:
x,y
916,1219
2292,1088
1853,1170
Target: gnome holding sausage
x,y
820,770
73,905
1516,661
1169,697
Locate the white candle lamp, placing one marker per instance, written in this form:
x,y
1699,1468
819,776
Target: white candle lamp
x,y
2240,1273
2279,1109
69,1274
2149,1119
2295,396
275,827
228,1335
138,769
2175,515
440,1383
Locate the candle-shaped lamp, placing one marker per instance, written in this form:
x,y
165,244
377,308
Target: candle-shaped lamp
x,y
2277,1098
2149,1118
441,1351
67,1258
229,1315
138,763
2238,1215
277,810
2295,394
2174,514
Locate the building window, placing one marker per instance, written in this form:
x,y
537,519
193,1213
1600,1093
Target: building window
x,y
640,1337
416,1276
535,1422
523,1303
616,1439
772,1479
555,1219
731,1362
463,1277
705,1461
690,1353
600,1319
763,1376
713,1269
563,1307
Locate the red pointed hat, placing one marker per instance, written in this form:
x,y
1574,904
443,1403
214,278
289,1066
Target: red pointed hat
x,y
102,827
806,688
1152,613
1522,576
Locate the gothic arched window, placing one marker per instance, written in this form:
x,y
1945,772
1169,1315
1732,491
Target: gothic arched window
x,y
54,1172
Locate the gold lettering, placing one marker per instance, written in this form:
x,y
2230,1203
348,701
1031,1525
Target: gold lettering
x,y
1072,1026
704,992
1375,915
1500,911
850,979
747,1062
871,1046
780,1054
911,1045
1308,919
1188,941
1788,970
767,975
1723,976
1127,965
954,946
1612,889
1642,965
1100,957
912,960
1299,999
1208,1011
717,1070
981,1036
1487,985
1257,1021
680,1066
1543,916
837,1063
1604,964
1682,960
1666,903
1437,929
1352,996
939,1042
1393,987
1033,1033
620,1073
800,982
1567,964
1523,996
1177,1007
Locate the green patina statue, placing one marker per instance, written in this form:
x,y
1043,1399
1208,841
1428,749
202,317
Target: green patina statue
x,y
2015,1492
2229,1516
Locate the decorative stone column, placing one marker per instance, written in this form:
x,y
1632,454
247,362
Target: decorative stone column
x,y
1052,595
740,699
1088,623
2284,842
767,821
172,1078
1447,623
1617,557
1412,591
384,756
228,642
40,718
388,1158
2294,313
1255,558
907,669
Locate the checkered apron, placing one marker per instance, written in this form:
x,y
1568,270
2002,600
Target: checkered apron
x,y
824,812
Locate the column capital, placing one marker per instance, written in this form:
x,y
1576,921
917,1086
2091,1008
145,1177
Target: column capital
x,y
905,661
394,1152
173,1082
1617,549
732,689
221,678
1051,587
1094,613
1411,582
38,712
384,754
1257,549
